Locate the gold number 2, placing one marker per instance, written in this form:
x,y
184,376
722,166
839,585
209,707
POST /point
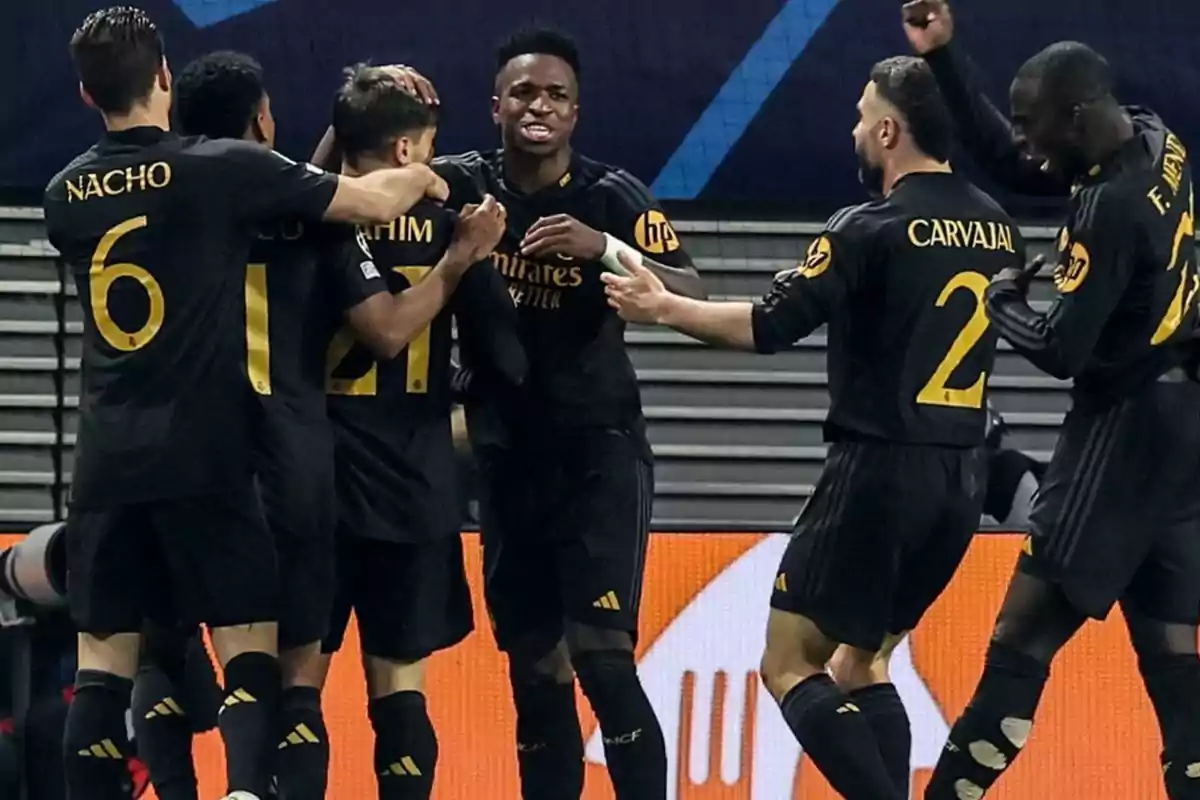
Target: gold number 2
x,y
101,279
367,385
1185,293
936,393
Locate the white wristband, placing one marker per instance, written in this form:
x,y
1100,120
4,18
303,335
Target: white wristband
x,y
613,247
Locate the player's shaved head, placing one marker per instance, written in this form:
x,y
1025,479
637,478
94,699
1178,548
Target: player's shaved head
x,y
1063,109
118,54
1068,74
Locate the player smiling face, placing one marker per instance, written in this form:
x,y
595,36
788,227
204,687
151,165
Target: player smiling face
x,y
1061,100
1043,132
536,104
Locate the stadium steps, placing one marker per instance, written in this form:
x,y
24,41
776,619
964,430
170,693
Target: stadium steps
x,y
737,436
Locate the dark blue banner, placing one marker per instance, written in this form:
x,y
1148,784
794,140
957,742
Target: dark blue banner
x,y
746,103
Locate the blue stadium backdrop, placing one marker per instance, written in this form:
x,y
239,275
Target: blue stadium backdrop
x,y
744,104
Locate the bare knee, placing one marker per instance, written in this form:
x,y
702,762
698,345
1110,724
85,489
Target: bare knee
x,y
115,655
385,677
854,668
796,649
235,640
304,666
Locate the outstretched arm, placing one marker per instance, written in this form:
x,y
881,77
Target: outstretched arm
x,y
984,131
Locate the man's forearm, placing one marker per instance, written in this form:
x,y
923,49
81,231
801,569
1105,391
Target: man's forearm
x,y
723,324
684,281
1030,333
388,323
985,131
415,307
377,197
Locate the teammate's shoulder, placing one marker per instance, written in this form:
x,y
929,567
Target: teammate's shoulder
x,y
471,162
77,164
1108,203
238,151
987,203
616,181
1153,153
1144,119
860,219
327,234
427,209
203,147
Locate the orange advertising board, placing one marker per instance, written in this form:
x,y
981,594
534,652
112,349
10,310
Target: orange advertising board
x,y
702,628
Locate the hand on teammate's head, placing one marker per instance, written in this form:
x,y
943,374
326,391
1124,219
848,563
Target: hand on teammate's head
x,y
413,83
928,24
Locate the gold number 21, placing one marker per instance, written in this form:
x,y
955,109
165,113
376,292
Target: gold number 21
x,y
367,385
936,392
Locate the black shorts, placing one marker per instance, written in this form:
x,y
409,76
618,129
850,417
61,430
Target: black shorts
x,y
294,464
187,560
1117,516
880,538
410,599
564,537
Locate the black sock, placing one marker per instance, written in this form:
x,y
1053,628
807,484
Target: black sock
x,y
1173,683
884,711
993,728
406,746
303,762
633,739
42,741
838,738
95,744
249,721
549,741
164,736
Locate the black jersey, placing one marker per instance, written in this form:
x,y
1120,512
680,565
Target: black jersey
x,y
156,230
300,280
901,283
1126,272
579,372
1126,275
395,461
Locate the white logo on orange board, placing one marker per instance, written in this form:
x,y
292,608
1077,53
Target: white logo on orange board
x,y
706,661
